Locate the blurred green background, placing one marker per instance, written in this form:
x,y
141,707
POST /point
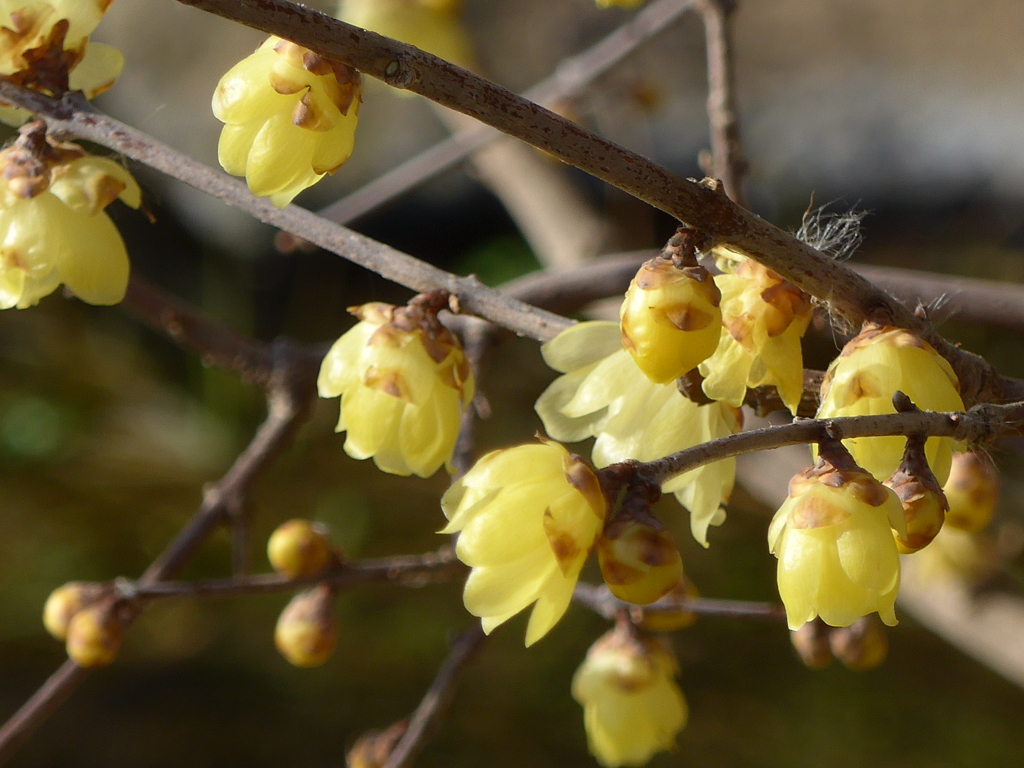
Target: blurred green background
x,y
108,432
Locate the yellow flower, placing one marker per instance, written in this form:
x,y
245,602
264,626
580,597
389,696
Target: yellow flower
x,y
290,117
528,517
763,319
972,491
632,707
865,376
404,382
837,556
53,229
605,395
670,319
430,25
44,45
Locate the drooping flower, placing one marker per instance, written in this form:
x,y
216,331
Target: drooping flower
x,y
972,491
639,560
632,706
404,382
604,394
528,517
865,376
431,25
53,228
290,117
833,538
44,45
670,319
763,320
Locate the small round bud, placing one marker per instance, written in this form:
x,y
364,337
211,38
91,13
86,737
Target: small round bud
x,y
373,749
924,506
811,644
670,319
64,602
972,492
861,646
666,621
94,636
639,562
299,548
306,632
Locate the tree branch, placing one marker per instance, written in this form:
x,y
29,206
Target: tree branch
x,y
599,599
571,77
726,161
435,703
980,424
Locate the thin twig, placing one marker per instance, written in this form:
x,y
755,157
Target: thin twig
x,y
599,599
981,423
727,163
290,392
73,116
571,77
434,706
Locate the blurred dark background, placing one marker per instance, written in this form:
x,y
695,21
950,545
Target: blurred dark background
x,y
909,110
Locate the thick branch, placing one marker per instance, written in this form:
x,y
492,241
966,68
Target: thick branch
x,y
571,77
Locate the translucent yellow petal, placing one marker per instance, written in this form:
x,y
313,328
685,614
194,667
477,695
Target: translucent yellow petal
x,y
97,71
94,265
611,380
551,606
244,93
280,157
581,345
234,146
340,367
336,145
427,434
551,402
370,417
726,372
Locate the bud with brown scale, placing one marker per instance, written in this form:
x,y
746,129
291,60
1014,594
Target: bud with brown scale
x,y
861,646
924,506
972,491
307,631
373,749
94,635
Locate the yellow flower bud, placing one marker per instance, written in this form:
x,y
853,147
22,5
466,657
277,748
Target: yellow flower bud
x,y
811,643
665,621
670,319
837,556
528,517
66,601
94,636
972,492
865,376
53,228
605,395
299,548
640,562
431,25
290,117
307,631
404,382
632,707
763,320
861,646
924,510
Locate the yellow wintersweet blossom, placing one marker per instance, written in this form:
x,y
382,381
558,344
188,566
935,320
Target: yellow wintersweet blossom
x,y
431,25
603,394
290,118
404,381
865,376
670,319
632,706
53,228
833,538
528,517
44,45
763,320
